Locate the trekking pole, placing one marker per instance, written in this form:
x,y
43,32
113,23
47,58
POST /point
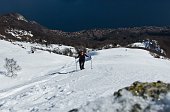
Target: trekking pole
x,y
91,63
76,64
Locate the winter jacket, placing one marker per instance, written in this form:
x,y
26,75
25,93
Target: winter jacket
x,y
82,57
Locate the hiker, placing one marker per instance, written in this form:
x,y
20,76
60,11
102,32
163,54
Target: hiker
x,y
81,57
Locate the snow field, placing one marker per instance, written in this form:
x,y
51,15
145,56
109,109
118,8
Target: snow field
x,y
49,82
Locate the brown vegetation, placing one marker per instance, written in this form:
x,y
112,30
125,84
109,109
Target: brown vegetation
x,y
95,38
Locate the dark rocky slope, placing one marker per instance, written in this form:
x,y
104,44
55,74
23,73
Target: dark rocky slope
x,y
95,38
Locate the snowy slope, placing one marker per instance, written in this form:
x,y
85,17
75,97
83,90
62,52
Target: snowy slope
x,y
33,65
35,90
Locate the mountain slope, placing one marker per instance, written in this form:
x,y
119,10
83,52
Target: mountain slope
x,y
14,26
49,82
34,65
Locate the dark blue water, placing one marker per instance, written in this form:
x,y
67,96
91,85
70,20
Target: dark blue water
x,y
74,15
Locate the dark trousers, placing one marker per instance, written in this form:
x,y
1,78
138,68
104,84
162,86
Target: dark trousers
x,y
81,63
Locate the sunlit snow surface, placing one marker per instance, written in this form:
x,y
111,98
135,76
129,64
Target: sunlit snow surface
x,y
50,83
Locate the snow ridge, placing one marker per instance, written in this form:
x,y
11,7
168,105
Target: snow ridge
x,y
19,33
